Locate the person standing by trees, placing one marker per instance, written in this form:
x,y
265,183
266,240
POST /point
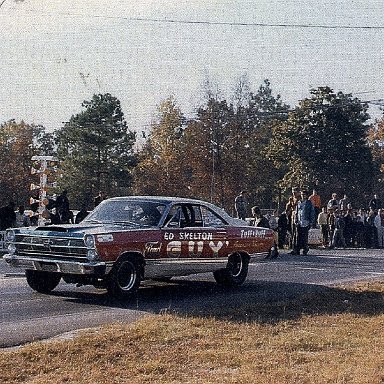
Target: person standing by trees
x,y
360,225
348,228
81,215
322,220
99,198
241,205
22,220
378,222
338,234
316,202
62,206
375,203
294,199
331,225
289,208
259,219
7,216
282,229
371,231
333,202
304,219
344,203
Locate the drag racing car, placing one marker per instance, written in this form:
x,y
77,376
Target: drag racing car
x,y
126,240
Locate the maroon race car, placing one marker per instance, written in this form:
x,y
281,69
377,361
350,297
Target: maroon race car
x,y
128,239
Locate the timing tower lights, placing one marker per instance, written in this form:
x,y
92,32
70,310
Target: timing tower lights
x,y
43,166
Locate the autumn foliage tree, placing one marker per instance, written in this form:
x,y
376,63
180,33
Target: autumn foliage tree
x,y
323,143
213,129
161,165
376,144
232,140
18,143
215,154
185,158
255,122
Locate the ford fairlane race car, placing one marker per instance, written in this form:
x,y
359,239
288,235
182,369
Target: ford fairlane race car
x,y
128,239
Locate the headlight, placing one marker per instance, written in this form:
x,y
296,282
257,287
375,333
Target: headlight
x,y
10,235
89,241
11,249
92,255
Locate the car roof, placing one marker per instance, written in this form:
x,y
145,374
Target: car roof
x,y
175,200
162,199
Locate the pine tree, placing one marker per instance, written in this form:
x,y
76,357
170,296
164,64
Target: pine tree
x,y
323,143
96,150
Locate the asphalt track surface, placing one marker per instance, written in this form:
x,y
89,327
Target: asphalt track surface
x,y
27,316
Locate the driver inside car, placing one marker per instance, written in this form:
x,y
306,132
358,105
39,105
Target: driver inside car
x,y
150,215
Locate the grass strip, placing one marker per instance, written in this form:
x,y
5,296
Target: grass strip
x,y
335,337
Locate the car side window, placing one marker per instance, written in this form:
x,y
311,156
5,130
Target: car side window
x,y
194,213
176,217
188,215
211,219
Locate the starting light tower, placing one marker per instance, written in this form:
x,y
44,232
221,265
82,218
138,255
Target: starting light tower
x,y
43,166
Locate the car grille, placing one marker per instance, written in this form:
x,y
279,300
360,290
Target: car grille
x,y
48,246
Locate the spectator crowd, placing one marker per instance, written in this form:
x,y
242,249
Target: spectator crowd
x,y
341,224
344,226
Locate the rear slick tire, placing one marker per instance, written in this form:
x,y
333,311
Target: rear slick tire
x,y
235,272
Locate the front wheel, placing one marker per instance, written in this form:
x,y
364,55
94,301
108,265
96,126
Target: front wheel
x,y
125,277
41,281
235,272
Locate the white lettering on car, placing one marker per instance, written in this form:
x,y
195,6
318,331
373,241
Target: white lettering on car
x,y
246,234
174,248
206,236
152,249
168,236
216,247
195,248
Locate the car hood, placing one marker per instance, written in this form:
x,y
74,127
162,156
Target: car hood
x,y
80,229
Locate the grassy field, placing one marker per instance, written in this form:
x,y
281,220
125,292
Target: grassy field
x,y
333,337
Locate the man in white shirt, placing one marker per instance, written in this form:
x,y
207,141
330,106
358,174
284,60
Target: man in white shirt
x,y
322,220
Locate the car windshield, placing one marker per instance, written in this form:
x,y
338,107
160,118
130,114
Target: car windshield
x,y
126,212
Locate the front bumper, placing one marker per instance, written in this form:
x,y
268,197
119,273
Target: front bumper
x,y
98,268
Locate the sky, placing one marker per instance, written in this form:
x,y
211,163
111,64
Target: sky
x,y
54,54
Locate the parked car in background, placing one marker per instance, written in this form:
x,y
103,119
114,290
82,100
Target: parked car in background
x,y
128,239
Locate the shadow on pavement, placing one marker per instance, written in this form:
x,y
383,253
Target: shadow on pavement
x,y
264,302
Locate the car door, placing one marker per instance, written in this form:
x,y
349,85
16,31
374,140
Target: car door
x,y
217,228
171,244
194,231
